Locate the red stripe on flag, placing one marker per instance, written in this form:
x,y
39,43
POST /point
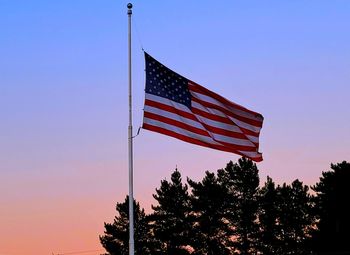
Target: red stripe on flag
x,y
225,132
255,123
169,108
245,128
222,120
200,89
198,131
176,123
195,141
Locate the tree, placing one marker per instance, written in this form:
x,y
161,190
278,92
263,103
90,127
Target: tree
x,y
171,216
209,229
241,206
268,218
116,236
332,210
294,218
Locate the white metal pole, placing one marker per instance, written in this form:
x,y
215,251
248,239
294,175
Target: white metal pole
x,y
130,146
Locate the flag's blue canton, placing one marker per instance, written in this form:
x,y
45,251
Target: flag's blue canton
x,y
163,82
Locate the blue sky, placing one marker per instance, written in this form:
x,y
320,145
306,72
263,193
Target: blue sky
x,y
63,102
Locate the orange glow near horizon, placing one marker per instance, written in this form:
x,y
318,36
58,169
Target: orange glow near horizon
x,y
64,104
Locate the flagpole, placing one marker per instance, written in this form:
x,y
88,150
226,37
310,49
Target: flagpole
x,y
130,145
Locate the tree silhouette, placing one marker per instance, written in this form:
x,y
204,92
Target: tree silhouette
x,y
242,182
116,236
332,210
209,230
171,216
268,219
294,218
227,213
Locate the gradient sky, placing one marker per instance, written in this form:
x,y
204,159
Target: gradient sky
x,y
63,102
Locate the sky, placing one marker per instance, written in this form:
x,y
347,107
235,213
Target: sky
x,y
64,108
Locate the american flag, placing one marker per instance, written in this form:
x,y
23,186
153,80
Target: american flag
x,y
178,107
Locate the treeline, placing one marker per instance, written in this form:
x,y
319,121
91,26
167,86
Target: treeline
x,y
229,212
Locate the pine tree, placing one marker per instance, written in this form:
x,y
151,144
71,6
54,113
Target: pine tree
x,y
241,207
116,236
332,210
268,218
170,218
209,229
294,218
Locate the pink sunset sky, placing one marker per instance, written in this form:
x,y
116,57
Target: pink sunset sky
x,y
64,111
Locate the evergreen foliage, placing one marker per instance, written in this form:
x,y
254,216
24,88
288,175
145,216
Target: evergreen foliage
x,y
171,216
116,236
209,230
268,218
228,213
333,211
294,218
242,181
